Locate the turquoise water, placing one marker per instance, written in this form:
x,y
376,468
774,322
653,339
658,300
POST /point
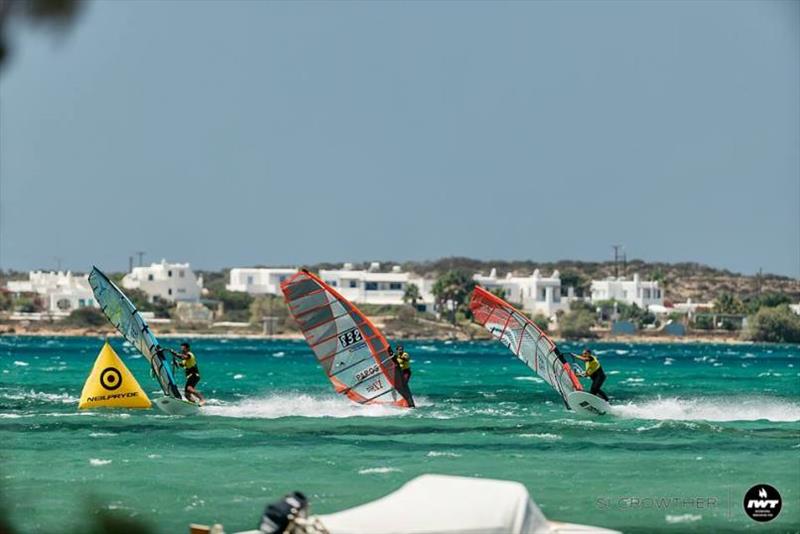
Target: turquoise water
x,y
698,426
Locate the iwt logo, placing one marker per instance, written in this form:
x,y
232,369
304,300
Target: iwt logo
x,y
762,503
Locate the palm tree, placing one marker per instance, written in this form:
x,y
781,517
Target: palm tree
x,y
453,287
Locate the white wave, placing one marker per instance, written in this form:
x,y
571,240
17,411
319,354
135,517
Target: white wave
x,y
711,409
63,398
378,470
303,405
545,436
98,462
529,379
101,434
10,416
238,376
684,518
279,354
21,364
439,454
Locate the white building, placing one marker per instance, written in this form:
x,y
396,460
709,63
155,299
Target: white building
x,y
635,291
61,292
258,281
169,282
536,294
359,286
373,287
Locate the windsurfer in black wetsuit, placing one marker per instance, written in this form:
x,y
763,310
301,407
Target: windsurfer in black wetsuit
x,y
403,361
187,360
595,372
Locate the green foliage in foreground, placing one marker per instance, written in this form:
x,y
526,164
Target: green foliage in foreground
x,y
776,325
576,324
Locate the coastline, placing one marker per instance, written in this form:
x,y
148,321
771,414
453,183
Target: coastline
x,y
602,337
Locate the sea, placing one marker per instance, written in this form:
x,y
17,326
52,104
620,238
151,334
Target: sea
x,y
695,427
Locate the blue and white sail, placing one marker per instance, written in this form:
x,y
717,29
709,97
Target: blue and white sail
x,y
124,316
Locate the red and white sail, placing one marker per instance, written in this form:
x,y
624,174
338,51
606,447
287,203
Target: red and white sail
x,y
526,340
353,353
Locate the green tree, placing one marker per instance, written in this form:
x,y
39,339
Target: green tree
x,y
770,299
574,279
777,325
541,321
6,302
29,304
411,294
577,305
267,306
235,303
86,318
728,304
498,292
454,286
576,324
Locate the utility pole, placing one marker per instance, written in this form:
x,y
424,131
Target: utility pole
x,y
616,259
141,255
130,264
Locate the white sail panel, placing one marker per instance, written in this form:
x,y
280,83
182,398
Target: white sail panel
x,y
526,340
351,351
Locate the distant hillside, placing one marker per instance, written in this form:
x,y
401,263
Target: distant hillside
x,y
681,281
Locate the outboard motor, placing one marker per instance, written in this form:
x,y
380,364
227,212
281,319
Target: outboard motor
x,y
279,515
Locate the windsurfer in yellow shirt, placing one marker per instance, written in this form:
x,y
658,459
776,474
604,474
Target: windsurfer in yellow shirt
x,y
187,360
403,361
595,372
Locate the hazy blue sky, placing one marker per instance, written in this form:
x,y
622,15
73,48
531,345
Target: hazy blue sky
x,y
274,133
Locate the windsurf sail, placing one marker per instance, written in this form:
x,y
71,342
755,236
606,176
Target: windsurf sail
x,y
124,316
526,340
353,353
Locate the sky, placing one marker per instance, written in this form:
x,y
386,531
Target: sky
x,y
267,133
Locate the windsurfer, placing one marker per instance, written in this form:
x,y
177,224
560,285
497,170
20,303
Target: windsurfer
x,y
595,372
403,361
187,360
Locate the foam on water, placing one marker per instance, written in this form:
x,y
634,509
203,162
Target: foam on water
x,y
378,470
303,405
711,409
39,396
683,518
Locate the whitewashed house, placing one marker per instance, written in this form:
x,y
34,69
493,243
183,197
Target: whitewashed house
x,y
169,282
360,286
635,291
374,287
61,292
537,294
258,281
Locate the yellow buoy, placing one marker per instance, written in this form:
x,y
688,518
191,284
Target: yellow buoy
x,y
111,385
